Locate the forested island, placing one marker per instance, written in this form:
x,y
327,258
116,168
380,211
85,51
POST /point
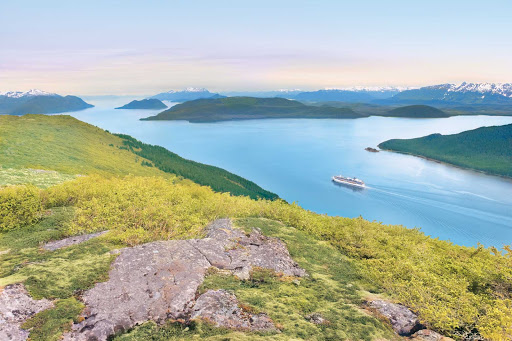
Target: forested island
x,y
150,103
416,111
246,108
487,149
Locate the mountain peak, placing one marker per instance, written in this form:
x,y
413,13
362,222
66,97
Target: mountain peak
x,y
360,88
31,92
190,89
503,89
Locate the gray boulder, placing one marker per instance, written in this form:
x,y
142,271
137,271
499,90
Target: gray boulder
x,y
221,308
403,321
429,335
16,307
316,318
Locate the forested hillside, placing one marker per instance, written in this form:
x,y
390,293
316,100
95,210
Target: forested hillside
x,y
487,149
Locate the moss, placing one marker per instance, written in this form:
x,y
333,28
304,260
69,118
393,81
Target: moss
x,y
57,274
49,324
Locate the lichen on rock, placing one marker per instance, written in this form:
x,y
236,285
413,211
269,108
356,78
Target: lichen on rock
x,y
222,309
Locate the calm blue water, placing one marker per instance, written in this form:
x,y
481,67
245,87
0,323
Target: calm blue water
x,y
296,159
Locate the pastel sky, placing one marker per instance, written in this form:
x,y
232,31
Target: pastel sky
x,y
143,47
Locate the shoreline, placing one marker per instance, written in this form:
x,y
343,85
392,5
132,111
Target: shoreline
x,y
506,177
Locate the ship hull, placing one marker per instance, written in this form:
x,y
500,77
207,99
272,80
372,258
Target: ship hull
x,y
348,183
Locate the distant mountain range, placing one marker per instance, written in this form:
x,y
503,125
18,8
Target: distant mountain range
x,y
151,103
495,94
442,94
188,94
453,94
39,102
283,93
360,95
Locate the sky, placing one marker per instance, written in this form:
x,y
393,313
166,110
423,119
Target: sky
x,y
101,47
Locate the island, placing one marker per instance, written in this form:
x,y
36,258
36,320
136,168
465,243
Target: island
x,y
246,108
417,111
486,149
151,103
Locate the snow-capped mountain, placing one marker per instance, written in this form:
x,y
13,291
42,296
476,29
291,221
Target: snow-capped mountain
x,y
29,93
373,88
187,90
283,93
504,89
464,93
359,94
188,94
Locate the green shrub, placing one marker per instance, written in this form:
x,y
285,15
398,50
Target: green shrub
x,y
19,206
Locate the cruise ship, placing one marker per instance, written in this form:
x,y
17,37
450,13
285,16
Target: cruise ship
x,y
349,181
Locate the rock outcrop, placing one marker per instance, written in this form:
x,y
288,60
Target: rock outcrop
x,y
316,318
429,335
59,244
403,321
16,306
221,308
158,281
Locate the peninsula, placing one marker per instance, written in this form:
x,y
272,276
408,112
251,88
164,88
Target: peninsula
x,y
486,149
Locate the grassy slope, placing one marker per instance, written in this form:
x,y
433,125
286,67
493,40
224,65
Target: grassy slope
x,y
487,149
70,147
243,108
65,145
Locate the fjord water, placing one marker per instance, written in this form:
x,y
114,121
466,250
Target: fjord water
x,y
296,159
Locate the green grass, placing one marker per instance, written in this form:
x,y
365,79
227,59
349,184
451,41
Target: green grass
x,y
47,274
487,149
49,324
330,289
66,145
36,177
